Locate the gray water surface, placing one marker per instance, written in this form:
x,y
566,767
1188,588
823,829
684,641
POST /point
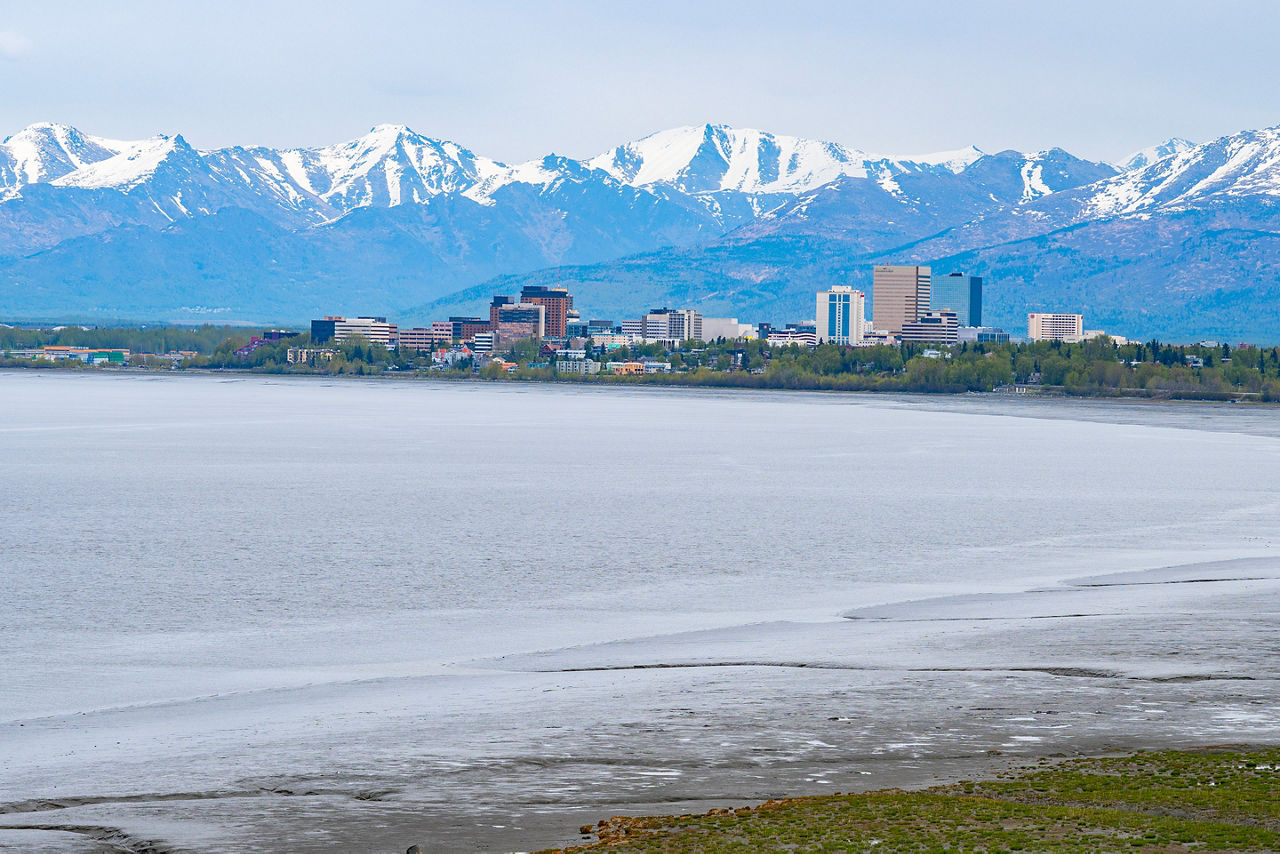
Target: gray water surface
x,y
309,614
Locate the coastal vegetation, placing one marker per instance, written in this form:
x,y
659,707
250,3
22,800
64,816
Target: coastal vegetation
x,y
1168,801
140,339
1097,367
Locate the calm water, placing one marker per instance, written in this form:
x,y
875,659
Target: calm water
x,y
245,579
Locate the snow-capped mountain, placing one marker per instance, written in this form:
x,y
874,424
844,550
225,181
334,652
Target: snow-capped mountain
x,y
1244,164
45,152
1149,155
394,218
718,157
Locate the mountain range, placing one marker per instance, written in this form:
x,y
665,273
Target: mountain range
x,y
1178,240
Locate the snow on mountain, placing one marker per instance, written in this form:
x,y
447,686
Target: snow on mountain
x,y
1243,164
44,152
1053,170
717,157
1149,155
953,161
389,166
128,167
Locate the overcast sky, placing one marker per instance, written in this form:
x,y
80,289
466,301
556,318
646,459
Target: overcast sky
x,y
517,80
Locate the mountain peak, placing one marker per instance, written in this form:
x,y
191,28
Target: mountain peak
x,y
390,130
46,151
1147,156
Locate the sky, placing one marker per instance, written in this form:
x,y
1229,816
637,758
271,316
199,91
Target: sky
x,y
517,80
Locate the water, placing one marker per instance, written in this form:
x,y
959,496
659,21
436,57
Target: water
x,y
317,614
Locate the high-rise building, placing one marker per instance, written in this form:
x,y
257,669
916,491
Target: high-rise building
x,y
337,328
557,301
938,327
841,316
898,295
672,324
1055,327
521,320
958,292
498,301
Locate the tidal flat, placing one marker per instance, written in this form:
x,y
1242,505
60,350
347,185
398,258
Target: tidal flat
x,y
316,615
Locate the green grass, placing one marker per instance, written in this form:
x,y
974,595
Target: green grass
x,y
1174,801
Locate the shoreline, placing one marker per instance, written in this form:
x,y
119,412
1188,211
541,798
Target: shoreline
x,y
530,826
1048,393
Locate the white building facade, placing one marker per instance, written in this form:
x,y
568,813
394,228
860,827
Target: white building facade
x,y
1055,327
841,317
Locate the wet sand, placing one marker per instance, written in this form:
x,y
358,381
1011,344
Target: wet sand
x,y
901,695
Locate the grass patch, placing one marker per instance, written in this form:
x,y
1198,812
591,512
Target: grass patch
x,y
1168,801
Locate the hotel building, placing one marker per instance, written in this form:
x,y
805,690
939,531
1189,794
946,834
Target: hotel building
x,y
841,317
1055,327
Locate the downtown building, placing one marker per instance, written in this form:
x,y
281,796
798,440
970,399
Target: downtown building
x,y
426,338
727,328
899,295
670,324
958,292
517,321
337,328
841,316
558,303
1068,328
931,327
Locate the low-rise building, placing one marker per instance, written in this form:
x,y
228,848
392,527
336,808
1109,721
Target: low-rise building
x,y
338,328
791,335
426,338
309,355
727,328
936,327
57,353
581,367
612,341
1118,340
982,334
873,337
